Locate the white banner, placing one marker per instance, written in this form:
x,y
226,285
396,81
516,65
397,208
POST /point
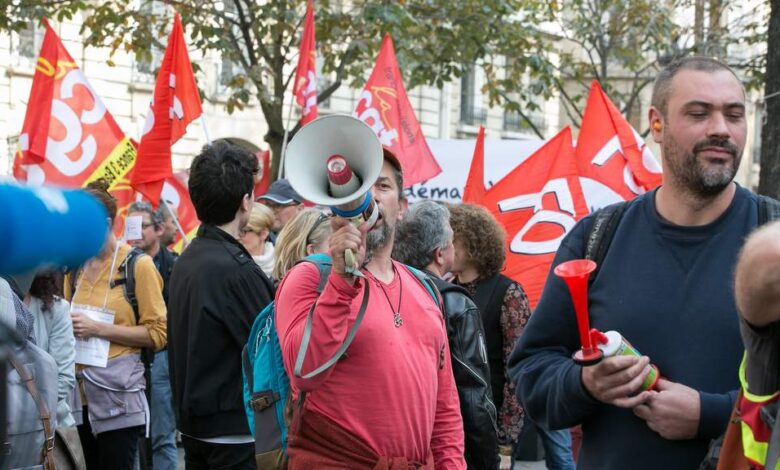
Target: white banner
x,y
454,157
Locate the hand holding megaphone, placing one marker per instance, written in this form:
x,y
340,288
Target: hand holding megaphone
x,y
334,161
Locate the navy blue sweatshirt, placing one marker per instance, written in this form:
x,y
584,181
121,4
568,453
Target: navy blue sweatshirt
x,y
668,290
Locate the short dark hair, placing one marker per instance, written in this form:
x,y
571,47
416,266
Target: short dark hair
x,y
99,189
220,176
663,82
154,215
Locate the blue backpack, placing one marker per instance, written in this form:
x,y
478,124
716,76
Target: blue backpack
x,y
266,385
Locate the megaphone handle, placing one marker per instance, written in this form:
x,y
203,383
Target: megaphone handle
x,y
351,264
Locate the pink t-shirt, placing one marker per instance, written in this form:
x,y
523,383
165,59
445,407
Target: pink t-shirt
x,y
394,388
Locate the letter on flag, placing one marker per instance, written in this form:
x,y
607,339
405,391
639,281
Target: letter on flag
x,y
384,106
474,191
175,104
305,86
611,152
68,137
538,203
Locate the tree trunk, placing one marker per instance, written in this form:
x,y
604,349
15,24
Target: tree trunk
x,y
769,178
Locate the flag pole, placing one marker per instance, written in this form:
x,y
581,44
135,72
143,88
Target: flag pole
x,y
280,170
205,130
176,221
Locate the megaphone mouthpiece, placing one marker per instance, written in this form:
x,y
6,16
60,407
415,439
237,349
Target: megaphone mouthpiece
x,y
339,171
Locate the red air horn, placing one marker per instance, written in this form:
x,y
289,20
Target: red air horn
x,y
575,273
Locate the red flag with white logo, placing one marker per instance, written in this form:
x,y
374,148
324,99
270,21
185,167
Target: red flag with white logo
x,y
305,86
176,103
611,152
263,177
474,191
68,137
538,203
385,107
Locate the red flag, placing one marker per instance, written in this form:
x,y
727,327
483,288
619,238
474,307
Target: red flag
x,y
175,104
611,152
538,203
68,137
175,193
474,191
305,86
263,178
384,106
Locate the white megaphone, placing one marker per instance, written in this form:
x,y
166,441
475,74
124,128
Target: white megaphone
x,y
334,161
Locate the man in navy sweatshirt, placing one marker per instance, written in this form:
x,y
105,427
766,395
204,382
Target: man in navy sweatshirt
x,y
664,284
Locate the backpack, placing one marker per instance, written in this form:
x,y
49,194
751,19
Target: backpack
x,y
266,385
31,400
607,219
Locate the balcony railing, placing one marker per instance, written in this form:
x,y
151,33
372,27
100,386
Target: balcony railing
x,y
513,122
473,116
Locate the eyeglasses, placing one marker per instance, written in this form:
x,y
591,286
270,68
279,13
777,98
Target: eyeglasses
x,y
245,230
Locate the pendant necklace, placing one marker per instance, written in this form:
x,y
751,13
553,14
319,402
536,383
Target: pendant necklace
x,y
397,320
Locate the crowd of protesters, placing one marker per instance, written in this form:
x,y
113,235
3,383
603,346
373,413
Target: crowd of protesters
x,y
448,364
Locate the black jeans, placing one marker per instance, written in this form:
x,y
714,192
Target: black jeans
x,y
199,455
111,449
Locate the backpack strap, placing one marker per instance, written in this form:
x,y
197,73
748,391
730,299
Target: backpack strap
x,y
427,282
47,453
601,232
768,209
127,268
324,268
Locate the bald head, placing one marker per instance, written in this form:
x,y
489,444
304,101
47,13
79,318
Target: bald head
x,y
757,277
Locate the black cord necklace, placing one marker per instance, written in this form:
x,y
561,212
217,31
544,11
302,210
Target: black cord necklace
x,y
397,320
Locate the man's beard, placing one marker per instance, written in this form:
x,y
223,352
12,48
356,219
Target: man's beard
x,y
691,172
377,239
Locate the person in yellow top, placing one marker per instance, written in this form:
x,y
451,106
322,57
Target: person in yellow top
x,y
114,407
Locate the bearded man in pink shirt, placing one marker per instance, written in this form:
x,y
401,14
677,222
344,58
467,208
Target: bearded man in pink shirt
x,y
390,402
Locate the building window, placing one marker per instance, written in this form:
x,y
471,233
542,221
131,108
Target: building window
x,y
27,45
472,107
145,68
514,122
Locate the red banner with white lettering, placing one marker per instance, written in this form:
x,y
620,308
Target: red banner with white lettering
x,y
176,103
305,85
384,105
68,137
538,203
611,152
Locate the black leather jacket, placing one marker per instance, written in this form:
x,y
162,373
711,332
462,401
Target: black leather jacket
x,y
472,375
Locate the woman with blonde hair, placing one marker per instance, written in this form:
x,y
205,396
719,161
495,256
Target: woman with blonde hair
x,y
306,234
254,237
